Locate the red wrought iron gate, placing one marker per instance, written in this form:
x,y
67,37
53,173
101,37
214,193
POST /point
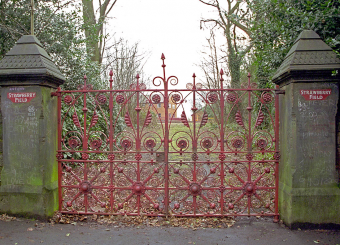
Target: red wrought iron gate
x,y
125,152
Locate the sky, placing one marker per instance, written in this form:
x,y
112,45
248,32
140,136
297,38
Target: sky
x,y
171,27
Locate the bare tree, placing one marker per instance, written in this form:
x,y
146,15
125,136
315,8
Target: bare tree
x,y
212,62
233,18
126,61
94,26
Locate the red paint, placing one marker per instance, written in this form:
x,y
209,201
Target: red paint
x,y
23,97
205,170
315,94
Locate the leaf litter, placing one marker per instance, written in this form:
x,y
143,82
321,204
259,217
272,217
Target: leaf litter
x,y
144,221
141,221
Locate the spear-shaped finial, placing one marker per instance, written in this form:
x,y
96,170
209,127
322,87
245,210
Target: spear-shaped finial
x,y
32,17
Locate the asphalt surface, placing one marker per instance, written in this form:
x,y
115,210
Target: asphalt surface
x,y
244,231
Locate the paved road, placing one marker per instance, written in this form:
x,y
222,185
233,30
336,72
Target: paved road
x,y
245,231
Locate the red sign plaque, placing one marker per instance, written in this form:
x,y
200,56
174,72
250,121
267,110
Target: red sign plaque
x,y
315,94
23,97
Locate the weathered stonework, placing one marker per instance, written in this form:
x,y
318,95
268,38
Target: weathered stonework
x,y
309,191
29,177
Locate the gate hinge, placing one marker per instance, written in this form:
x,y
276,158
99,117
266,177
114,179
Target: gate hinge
x,y
54,94
278,91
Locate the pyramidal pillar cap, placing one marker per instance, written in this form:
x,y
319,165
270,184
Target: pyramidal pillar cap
x,y
309,60
27,63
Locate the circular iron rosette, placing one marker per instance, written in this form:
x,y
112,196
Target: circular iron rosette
x,y
120,98
69,99
236,141
97,141
124,141
156,98
267,97
208,141
263,140
212,97
182,143
232,97
72,141
101,98
151,141
176,97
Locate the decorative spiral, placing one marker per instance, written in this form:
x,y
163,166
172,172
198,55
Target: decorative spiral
x,y
173,80
157,81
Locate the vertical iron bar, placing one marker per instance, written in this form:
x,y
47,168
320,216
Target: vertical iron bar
x,y
277,136
111,140
138,146
194,140
85,141
249,140
59,150
166,140
222,140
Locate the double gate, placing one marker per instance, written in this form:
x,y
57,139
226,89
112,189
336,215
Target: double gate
x,y
166,151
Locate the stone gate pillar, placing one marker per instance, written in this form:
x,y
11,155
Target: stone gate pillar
x,y
309,191
28,177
